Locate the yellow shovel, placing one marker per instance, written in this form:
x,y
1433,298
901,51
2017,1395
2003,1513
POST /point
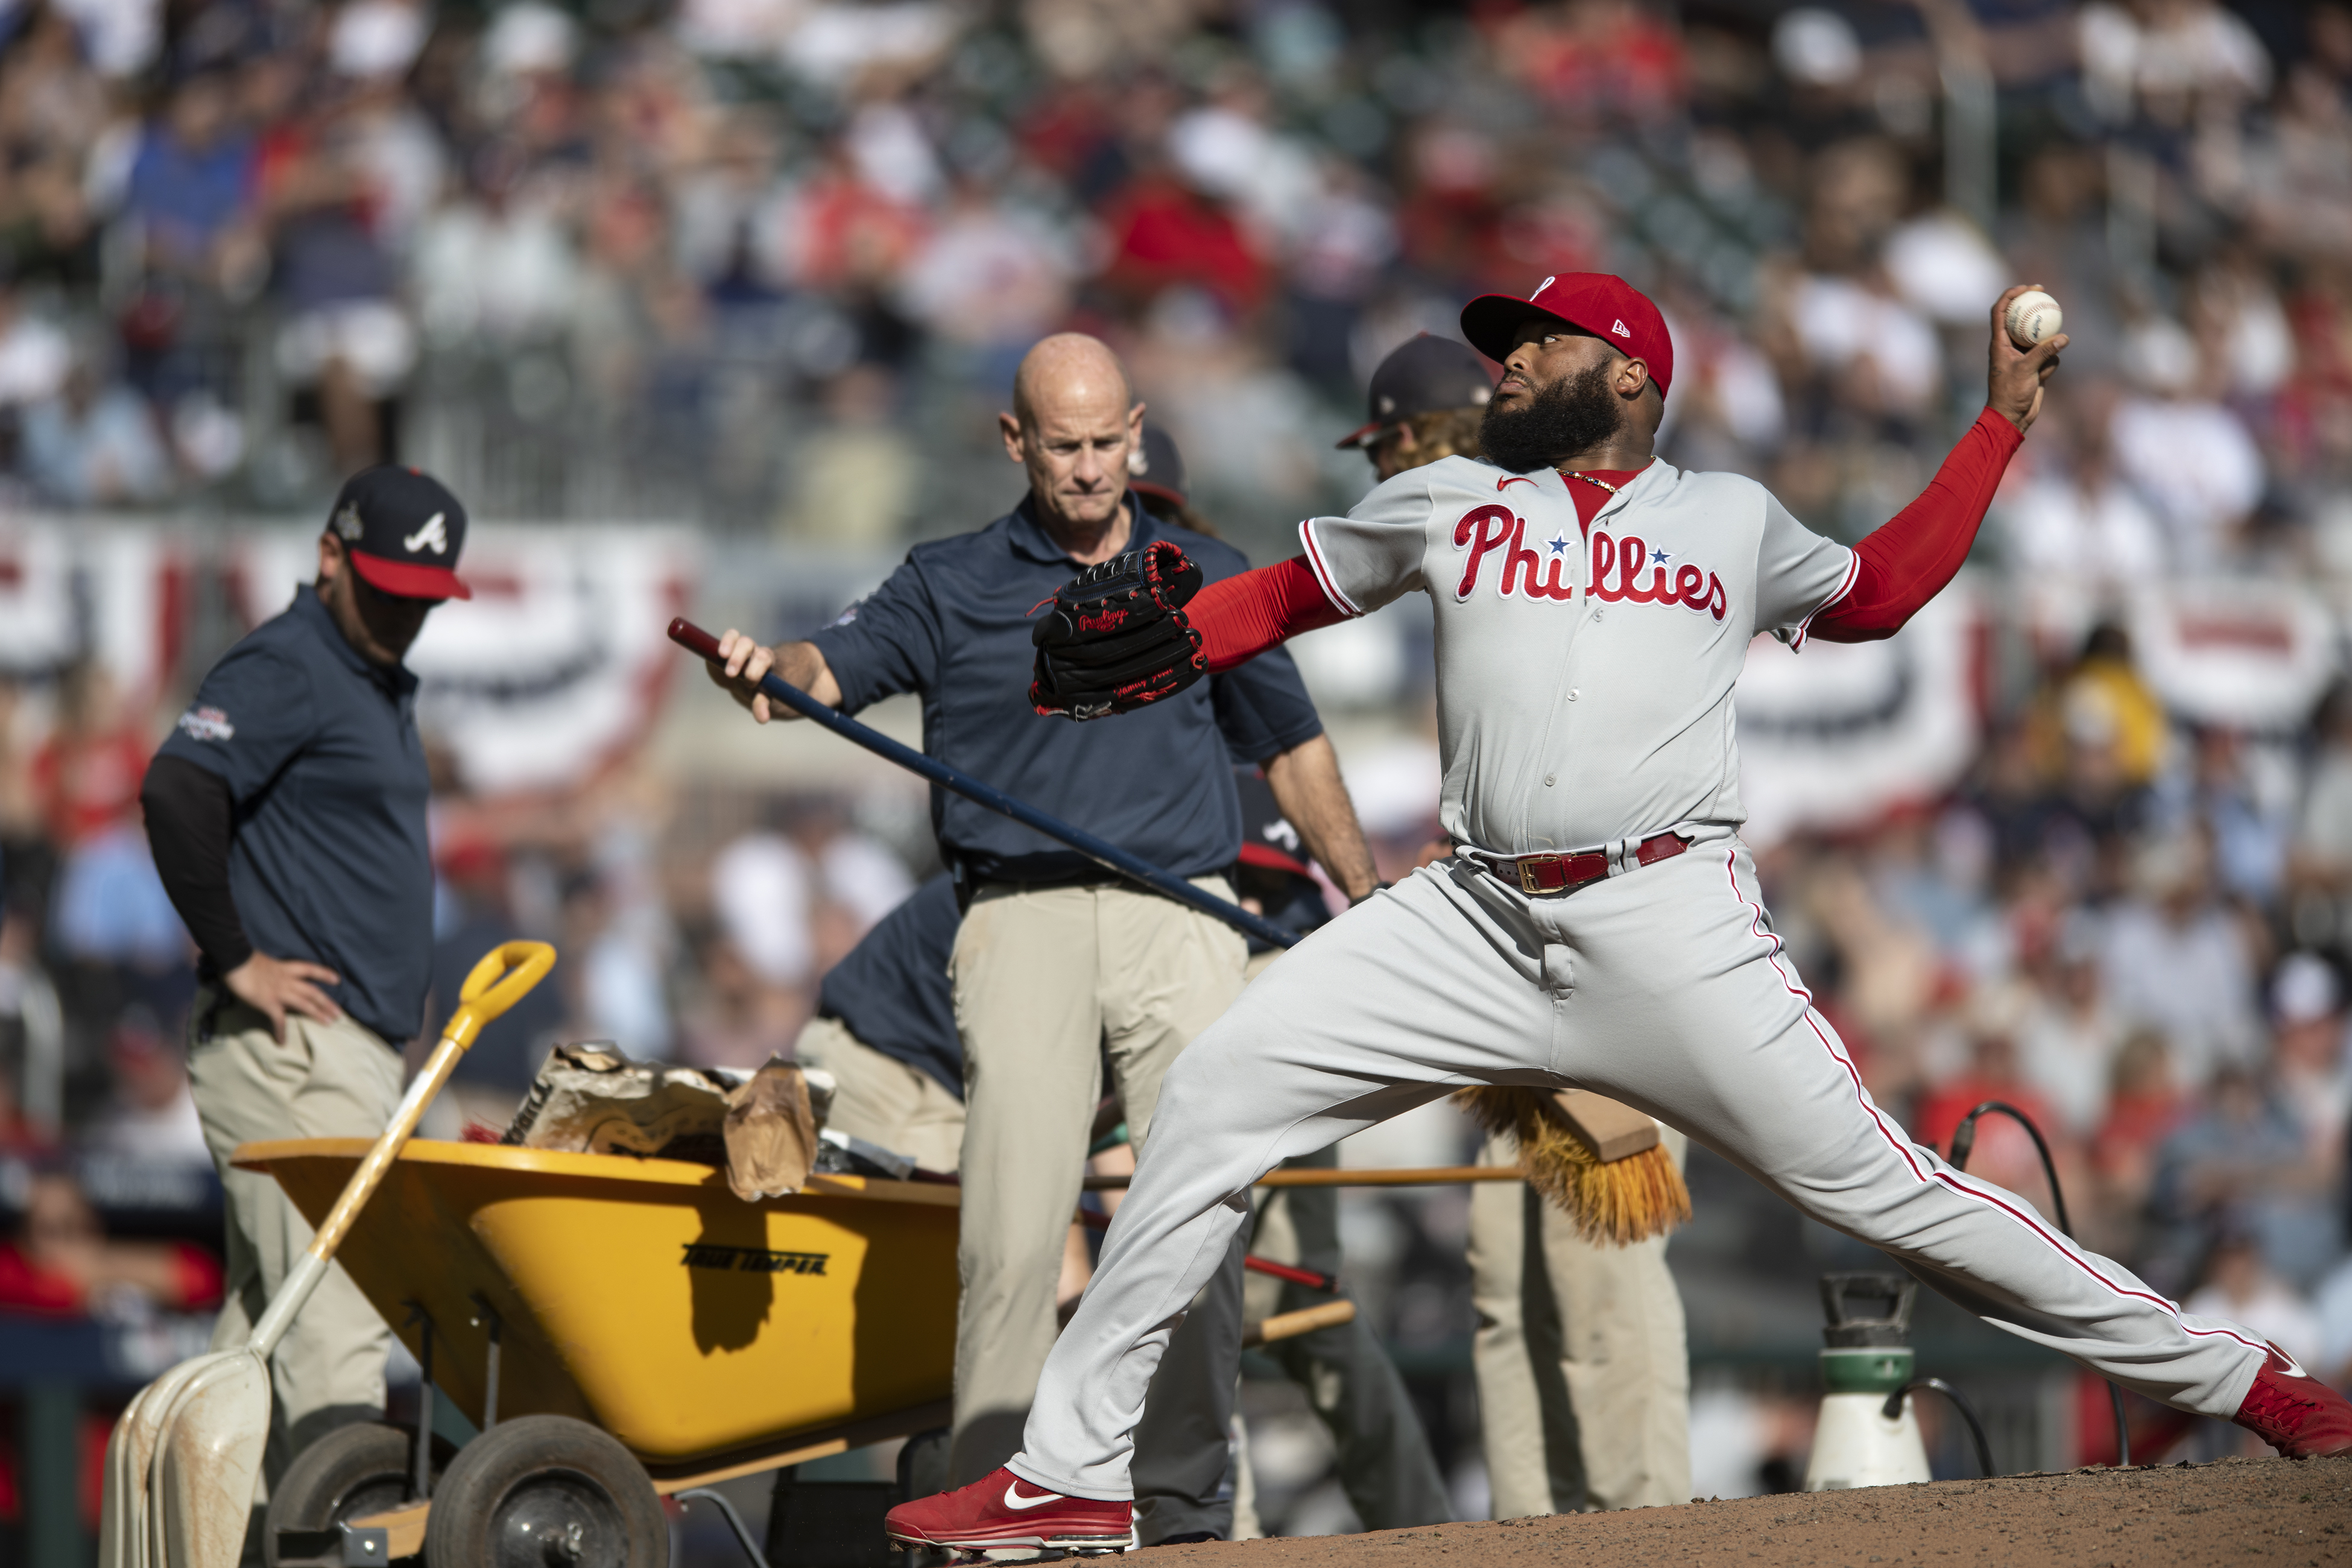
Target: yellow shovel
x,y
181,1464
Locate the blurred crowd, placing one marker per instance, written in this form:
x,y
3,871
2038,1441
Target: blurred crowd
x,y
761,263
767,264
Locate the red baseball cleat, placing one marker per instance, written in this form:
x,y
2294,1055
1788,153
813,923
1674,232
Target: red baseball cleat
x,y
2295,1413
1003,1511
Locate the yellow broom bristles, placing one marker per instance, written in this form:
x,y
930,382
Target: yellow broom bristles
x,y
1622,1201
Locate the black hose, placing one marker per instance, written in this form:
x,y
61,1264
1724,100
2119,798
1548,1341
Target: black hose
x,y
1892,1410
1964,1142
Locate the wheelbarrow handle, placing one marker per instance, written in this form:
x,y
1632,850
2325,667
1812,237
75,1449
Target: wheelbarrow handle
x,y
499,981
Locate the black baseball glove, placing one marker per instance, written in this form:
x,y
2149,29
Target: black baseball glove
x,y
1117,637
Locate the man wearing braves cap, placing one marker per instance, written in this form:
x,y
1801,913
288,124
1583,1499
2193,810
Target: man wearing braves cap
x,y
1600,926
287,816
1426,401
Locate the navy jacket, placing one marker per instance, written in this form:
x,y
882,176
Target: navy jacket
x,y
328,859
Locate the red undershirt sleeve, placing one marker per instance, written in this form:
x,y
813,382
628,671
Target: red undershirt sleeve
x,y
1242,616
1908,560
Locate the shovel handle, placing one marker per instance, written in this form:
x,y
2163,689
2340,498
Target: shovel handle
x,y
496,983
500,979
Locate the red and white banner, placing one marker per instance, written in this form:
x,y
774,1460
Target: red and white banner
x,y
112,591
1835,737
2241,655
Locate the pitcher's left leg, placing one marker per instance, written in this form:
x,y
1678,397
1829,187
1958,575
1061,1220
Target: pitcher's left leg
x,y
1697,1017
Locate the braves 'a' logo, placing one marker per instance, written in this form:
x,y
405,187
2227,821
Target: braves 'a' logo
x,y
1541,570
433,536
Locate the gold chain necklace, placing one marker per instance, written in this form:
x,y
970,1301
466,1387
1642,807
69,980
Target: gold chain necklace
x,y
1588,479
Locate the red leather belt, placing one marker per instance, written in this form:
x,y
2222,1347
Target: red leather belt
x,y
1542,875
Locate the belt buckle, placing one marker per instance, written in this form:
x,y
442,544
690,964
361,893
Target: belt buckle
x,y
1525,866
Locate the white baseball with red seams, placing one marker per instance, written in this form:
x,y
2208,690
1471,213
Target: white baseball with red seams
x,y
1584,699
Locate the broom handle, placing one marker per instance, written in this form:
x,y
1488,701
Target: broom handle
x,y
1406,1177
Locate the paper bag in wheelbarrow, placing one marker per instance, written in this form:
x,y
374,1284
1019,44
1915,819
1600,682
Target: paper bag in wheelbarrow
x,y
766,1130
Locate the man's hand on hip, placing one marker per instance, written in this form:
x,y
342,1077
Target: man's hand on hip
x,y
277,987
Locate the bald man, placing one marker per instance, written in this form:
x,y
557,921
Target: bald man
x,y
1059,969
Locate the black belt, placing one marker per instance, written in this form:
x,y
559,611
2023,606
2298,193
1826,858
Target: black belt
x,y
969,883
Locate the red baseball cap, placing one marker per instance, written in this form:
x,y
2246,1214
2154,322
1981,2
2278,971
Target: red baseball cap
x,y
1601,303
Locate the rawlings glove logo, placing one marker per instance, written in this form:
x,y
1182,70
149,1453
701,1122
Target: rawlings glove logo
x,y
1116,639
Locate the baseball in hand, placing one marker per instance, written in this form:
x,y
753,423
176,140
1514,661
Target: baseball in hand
x,y
2033,316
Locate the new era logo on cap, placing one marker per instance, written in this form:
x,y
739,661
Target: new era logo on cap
x,y
1600,303
403,531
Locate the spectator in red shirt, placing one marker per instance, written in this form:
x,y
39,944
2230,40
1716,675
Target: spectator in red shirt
x,y
2003,1151
1164,233
61,1264
86,776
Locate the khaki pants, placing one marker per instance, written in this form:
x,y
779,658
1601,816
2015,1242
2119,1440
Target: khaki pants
x,y
1583,1373
325,1080
1049,984
882,1099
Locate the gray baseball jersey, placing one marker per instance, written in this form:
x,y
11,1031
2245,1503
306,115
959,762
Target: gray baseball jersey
x,y
1583,684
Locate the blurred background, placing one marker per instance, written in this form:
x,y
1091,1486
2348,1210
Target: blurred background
x,y
710,305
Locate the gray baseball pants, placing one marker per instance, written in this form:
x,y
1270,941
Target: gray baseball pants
x,y
1181,1444
1662,987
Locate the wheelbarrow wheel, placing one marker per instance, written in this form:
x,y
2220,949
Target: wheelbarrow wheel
x,y
541,1490
349,1473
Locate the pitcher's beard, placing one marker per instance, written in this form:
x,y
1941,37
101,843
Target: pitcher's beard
x,y
1569,416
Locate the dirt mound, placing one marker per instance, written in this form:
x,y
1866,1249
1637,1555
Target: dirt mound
x,y
2282,1511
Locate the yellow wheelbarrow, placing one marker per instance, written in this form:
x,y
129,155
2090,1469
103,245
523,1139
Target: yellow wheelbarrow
x,y
619,1329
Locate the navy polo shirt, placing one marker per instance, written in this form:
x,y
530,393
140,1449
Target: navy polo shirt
x,y
329,858
953,624
892,991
